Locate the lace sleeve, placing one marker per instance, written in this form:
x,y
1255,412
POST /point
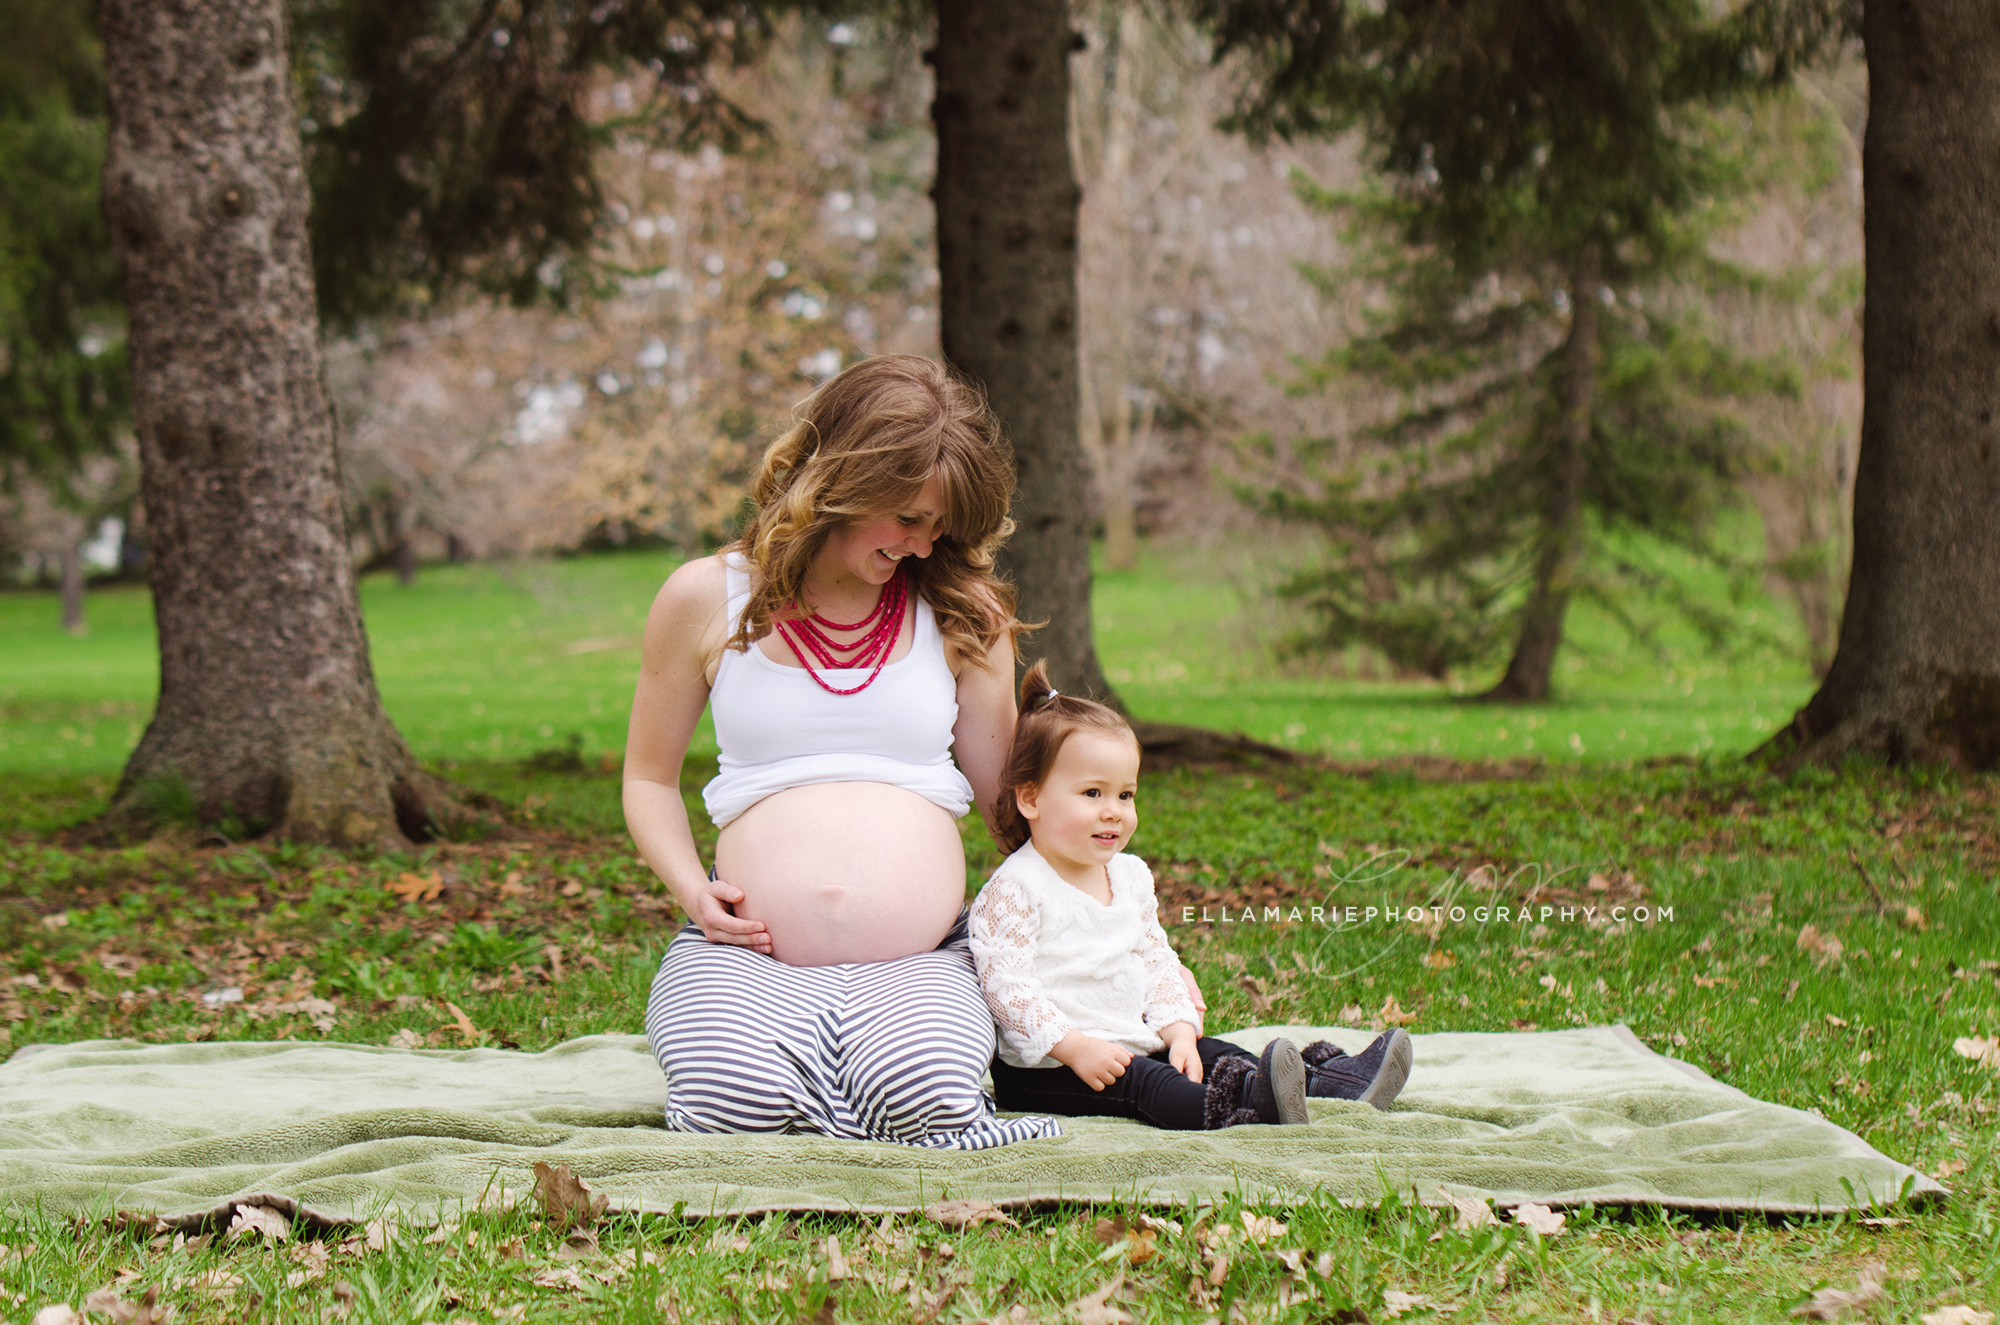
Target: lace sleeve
x,y
1166,997
1006,922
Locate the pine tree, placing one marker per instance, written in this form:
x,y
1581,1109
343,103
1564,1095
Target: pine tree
x,y
1549,176
62,371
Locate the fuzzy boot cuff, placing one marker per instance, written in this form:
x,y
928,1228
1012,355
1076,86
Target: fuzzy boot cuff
x,y
1226,1092
1320,1052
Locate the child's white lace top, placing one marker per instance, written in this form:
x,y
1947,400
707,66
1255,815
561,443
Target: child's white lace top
x,y
1053,959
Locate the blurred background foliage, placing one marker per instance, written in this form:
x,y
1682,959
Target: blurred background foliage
x,y
1260,319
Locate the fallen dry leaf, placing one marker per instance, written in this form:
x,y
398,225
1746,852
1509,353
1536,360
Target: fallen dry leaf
x,y
1351,1014
1983,1050
567,1199
967,1214
836,1263
406,1039
1262,1229
499,1196
217,1280
1439,960
1824,947
1832,1303
1539,1218
314,1256
1134,1240
559,1276
107,1303
58,1313
417,887
723,1242
1395,1303
460,1022
1956,1315
580,1245
1913,918
261,1219
1096,1309
1469,1211
1392,1013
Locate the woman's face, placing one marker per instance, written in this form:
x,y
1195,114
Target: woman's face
x,y
869,549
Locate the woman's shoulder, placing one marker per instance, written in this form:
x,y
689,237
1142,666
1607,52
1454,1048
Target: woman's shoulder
x,y
699,580
691,609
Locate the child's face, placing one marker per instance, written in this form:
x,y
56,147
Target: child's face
x,y
1085,811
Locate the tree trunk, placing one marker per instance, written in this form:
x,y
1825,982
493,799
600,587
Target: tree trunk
x,y
1917,675
1534,660
72,590
268,710
1006,222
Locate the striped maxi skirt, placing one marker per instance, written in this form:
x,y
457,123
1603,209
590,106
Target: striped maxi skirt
x,y
877,1051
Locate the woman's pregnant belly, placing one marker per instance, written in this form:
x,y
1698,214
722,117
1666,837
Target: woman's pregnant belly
x,y
846,872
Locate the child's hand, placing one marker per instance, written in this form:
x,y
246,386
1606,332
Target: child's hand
x,y
1181,1052
1097,1062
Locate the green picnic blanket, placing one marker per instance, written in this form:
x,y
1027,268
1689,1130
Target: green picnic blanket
x,y
342,1132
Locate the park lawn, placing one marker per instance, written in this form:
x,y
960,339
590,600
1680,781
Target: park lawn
x,y
122,943
493,661
515,679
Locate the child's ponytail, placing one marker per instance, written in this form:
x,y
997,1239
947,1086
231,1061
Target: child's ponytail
x,y
1045,721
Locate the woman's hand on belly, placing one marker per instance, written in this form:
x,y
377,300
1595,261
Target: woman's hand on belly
x,y
714,917
845,872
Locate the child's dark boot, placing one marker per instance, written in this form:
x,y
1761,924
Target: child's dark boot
x,y
1375,1076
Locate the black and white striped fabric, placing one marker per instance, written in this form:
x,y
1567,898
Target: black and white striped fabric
x,y
879,1051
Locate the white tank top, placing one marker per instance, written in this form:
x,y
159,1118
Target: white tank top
x,y
778,729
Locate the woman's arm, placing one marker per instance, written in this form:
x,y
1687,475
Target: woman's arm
x,y
685,623
983,736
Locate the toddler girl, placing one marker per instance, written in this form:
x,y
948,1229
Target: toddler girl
x,y
1094,1018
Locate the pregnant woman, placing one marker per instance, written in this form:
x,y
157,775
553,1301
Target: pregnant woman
x,y
848,642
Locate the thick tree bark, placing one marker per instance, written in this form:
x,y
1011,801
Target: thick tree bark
x,y
1006,220
1917,675
1534,660
267,709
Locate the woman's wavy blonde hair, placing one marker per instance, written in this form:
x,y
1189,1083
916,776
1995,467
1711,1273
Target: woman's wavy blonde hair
x,y
863,446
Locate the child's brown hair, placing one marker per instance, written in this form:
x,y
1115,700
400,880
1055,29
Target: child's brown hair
x,y
1047,719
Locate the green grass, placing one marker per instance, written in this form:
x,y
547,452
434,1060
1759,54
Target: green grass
x,y
1189,637
1743,863
122,943
493,661
473,661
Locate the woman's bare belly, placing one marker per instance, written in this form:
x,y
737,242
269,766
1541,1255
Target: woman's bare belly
x,y
846,872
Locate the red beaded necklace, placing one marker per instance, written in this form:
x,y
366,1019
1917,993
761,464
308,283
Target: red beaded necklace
x,y
809,640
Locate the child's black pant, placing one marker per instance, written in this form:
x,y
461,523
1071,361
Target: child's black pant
x,y
1152,1089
